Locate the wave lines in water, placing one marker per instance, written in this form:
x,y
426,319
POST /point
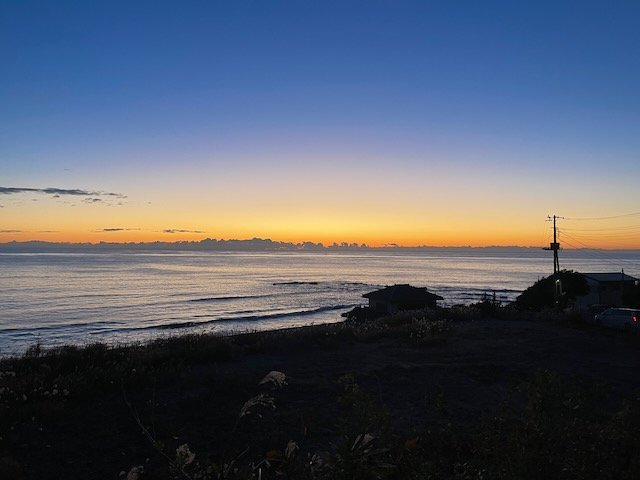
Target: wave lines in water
x,y
297,282
59,326
225,298
242,318
66,297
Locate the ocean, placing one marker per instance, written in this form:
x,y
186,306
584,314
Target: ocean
x,y
81,298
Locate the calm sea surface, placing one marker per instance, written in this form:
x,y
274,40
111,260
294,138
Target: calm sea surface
x,y
125,297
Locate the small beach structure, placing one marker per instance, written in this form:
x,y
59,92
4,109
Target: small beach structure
x,y
400,297
606,289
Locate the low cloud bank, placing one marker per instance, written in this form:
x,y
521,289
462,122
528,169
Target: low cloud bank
x,y
177,230
117,229
58,192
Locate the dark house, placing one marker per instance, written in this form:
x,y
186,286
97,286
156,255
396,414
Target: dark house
x,y
606,289
400,297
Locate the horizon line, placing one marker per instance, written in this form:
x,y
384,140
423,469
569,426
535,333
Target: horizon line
x,y
301,245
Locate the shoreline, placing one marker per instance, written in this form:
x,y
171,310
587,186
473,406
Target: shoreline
x,y
89,298
53,350
164,335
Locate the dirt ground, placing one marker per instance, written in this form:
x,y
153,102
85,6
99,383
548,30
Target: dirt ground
x,y
476,367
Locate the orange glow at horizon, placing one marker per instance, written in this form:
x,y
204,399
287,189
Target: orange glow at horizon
x,y
397,209
432,237
347,124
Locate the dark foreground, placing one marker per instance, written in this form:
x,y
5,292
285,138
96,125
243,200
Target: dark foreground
x,y
449,395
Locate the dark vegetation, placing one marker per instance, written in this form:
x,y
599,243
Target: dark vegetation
x,y
632,297
542,293
476,392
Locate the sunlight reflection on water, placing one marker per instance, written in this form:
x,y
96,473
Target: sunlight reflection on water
x,y
118,297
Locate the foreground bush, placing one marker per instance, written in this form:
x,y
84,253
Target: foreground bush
x,y
542,293
559,432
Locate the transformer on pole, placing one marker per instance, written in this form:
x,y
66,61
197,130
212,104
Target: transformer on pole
x,y
554,247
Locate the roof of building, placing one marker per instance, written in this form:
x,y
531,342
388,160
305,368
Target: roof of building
x,y
406,294
610,277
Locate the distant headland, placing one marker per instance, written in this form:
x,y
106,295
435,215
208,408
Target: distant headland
x,y
241,245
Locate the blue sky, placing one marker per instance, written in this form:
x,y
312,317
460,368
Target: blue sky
x,y
104,95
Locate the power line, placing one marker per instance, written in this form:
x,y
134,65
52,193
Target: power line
x,y
554,246
586,251
584,246
624,233
596,255
603,218
621,228
593,255
546,234
623,239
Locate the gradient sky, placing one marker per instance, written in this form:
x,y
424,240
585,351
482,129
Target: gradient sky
x,y
418,123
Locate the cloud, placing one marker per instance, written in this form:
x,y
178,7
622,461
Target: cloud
x,y
175,230
117,229
57,192
92,200
10,231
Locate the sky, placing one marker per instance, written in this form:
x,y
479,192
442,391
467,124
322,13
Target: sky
x,y
378,122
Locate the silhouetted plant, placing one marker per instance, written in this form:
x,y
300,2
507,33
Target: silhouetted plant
x,y
542,293
631,296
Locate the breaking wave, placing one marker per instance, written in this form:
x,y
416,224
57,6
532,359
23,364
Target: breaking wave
x,y
241,318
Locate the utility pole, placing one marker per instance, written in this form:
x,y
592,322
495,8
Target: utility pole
x,y
554,247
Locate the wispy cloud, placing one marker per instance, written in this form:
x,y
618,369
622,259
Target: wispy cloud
x,y
58,192
117,229
176,230
10,231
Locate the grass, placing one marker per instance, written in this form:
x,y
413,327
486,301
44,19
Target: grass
x,y
94,369
553,428
559,432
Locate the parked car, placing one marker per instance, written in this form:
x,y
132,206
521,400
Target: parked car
x,y
597,309
619,318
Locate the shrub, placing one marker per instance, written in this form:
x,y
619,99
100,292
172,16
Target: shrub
x,y
424,331
541,294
